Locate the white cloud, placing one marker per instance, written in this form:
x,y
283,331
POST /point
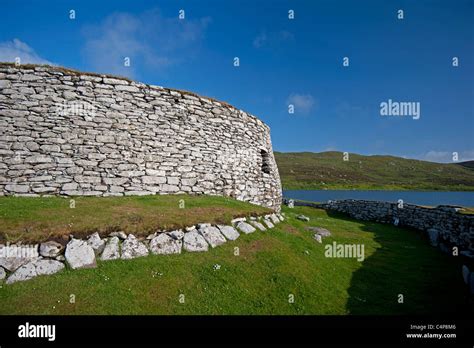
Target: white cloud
x,y
10,50
303,103
447,157
272,39
148,39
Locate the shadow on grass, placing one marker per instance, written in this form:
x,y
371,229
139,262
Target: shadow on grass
x,y
405,268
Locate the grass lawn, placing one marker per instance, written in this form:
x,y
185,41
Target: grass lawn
x,y
38,219
270,266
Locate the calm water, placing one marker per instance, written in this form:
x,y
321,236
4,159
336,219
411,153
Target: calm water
x,y
465,199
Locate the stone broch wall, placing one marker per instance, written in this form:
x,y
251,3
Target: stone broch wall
x,y
64,132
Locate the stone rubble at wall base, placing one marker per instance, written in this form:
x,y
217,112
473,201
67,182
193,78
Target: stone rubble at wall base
x,y
83,253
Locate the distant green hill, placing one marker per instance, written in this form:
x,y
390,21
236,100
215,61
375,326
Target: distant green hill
x,y
328,170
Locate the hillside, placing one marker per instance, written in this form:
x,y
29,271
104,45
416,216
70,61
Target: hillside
x,y
327,170
467,164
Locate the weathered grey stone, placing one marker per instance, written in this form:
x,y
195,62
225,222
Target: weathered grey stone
x,y
5,84
245,227
153,180
105,139
303,218
69,95
258,225
50,249
50,148
169,188
43,189
23,273
274,218
212,236
111,249
32,146
3,274
202,225
268,223
96,243
229,232
318,238
14,256
30,77
178,234
127,88
132,248
237,220
38,159
35,268
119,234
165,245
17,188
112,81
70,186
194,242
319,230
46,267
79,254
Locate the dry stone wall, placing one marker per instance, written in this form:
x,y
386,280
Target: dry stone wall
x,y
64,132
445,226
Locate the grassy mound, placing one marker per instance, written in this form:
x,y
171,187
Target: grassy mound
x,y
37,219
260,276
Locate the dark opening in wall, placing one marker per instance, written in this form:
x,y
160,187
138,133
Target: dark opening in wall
x,y
265,161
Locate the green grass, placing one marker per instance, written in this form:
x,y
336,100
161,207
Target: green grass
x,y
327,170
270,266
33,219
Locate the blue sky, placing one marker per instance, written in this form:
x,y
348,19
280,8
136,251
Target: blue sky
x,y
282,62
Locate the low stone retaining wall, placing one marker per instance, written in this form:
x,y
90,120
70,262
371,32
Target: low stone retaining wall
x,y
445,225
23,262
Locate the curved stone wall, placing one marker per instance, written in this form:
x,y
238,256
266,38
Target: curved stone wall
x,y
445,226
64,132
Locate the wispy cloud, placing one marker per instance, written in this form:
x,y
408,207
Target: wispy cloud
x,y
446,156
147,39
303,103
10,50
272,39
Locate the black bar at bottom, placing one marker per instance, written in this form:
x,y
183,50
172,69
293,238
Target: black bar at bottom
x,y
261,330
